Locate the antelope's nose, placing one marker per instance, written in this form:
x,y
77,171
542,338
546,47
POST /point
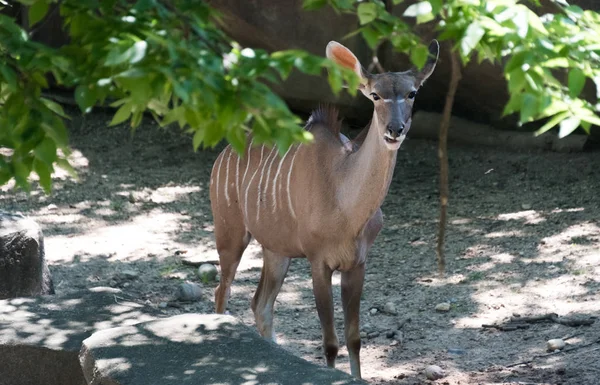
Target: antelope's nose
x,y
395,129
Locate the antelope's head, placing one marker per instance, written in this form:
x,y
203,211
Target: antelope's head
x,y
392,93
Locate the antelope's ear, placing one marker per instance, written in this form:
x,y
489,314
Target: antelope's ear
x,y
344,57
434,53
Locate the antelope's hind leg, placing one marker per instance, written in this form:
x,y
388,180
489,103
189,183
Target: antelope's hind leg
x,y
272,275
231,243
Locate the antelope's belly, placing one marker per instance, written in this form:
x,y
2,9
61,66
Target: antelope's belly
x,y
279,238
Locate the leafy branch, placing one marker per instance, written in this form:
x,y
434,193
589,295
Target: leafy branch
x,y
168,59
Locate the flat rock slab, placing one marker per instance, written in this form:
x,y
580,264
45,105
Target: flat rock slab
x,y
196,349
62,322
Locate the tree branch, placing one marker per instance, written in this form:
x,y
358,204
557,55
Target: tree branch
x,y
455,77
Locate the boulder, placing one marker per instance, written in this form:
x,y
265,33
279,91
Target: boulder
x,y
195,349
40,338
23,269
103,336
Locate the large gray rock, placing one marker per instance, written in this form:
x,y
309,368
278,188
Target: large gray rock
x,y
23,269
40,337
106,335
195,349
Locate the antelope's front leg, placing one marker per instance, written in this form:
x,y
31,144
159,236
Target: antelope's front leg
x,y
352,286
321,275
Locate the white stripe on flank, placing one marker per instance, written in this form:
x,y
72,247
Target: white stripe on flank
x,y
221,155
275,179
248,162
289,196
258,192
262,148
237,178
269,175
227,177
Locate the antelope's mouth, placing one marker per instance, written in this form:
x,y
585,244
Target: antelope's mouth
x,y
390,139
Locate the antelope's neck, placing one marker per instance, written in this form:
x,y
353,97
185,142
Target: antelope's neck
x,y
366,176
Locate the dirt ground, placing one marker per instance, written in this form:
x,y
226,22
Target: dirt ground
x,y
523,238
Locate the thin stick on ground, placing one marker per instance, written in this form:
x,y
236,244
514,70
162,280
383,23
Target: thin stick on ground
x,y
555,353
443,156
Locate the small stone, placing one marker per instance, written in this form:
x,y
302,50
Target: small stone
x,y
394,343
434,372
390,308
189,292
126,284
373,311
442,307
526,206
373,335
207,272
363,335
51,206
555,344
163,305
129,274
390,334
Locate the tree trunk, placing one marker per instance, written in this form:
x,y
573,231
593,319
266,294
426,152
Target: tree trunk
x,y
443,156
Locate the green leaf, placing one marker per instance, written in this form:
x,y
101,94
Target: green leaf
x,y
557,62
132,55
529,107
57,131
576,81
21,173
371,36
436,6
418,56
552,122
418,9
144,5
9,76
198,138
44,172
54,107
37,12
122,114
593,119
84,97
334,77
568,125
367,12
237,138
471,38
311,5
46,151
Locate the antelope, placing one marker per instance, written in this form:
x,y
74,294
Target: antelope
x,y
319,201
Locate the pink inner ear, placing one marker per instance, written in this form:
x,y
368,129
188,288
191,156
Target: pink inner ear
x,y
344,57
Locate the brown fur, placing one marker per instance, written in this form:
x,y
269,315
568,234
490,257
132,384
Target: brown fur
x,y
326,116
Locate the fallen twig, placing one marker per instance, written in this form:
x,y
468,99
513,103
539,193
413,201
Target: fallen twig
x,y
505,328
522,322
566,350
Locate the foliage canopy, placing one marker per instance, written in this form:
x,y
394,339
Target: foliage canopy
x,y
166,58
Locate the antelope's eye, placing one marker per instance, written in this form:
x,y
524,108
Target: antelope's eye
x,y
412,94
375,96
